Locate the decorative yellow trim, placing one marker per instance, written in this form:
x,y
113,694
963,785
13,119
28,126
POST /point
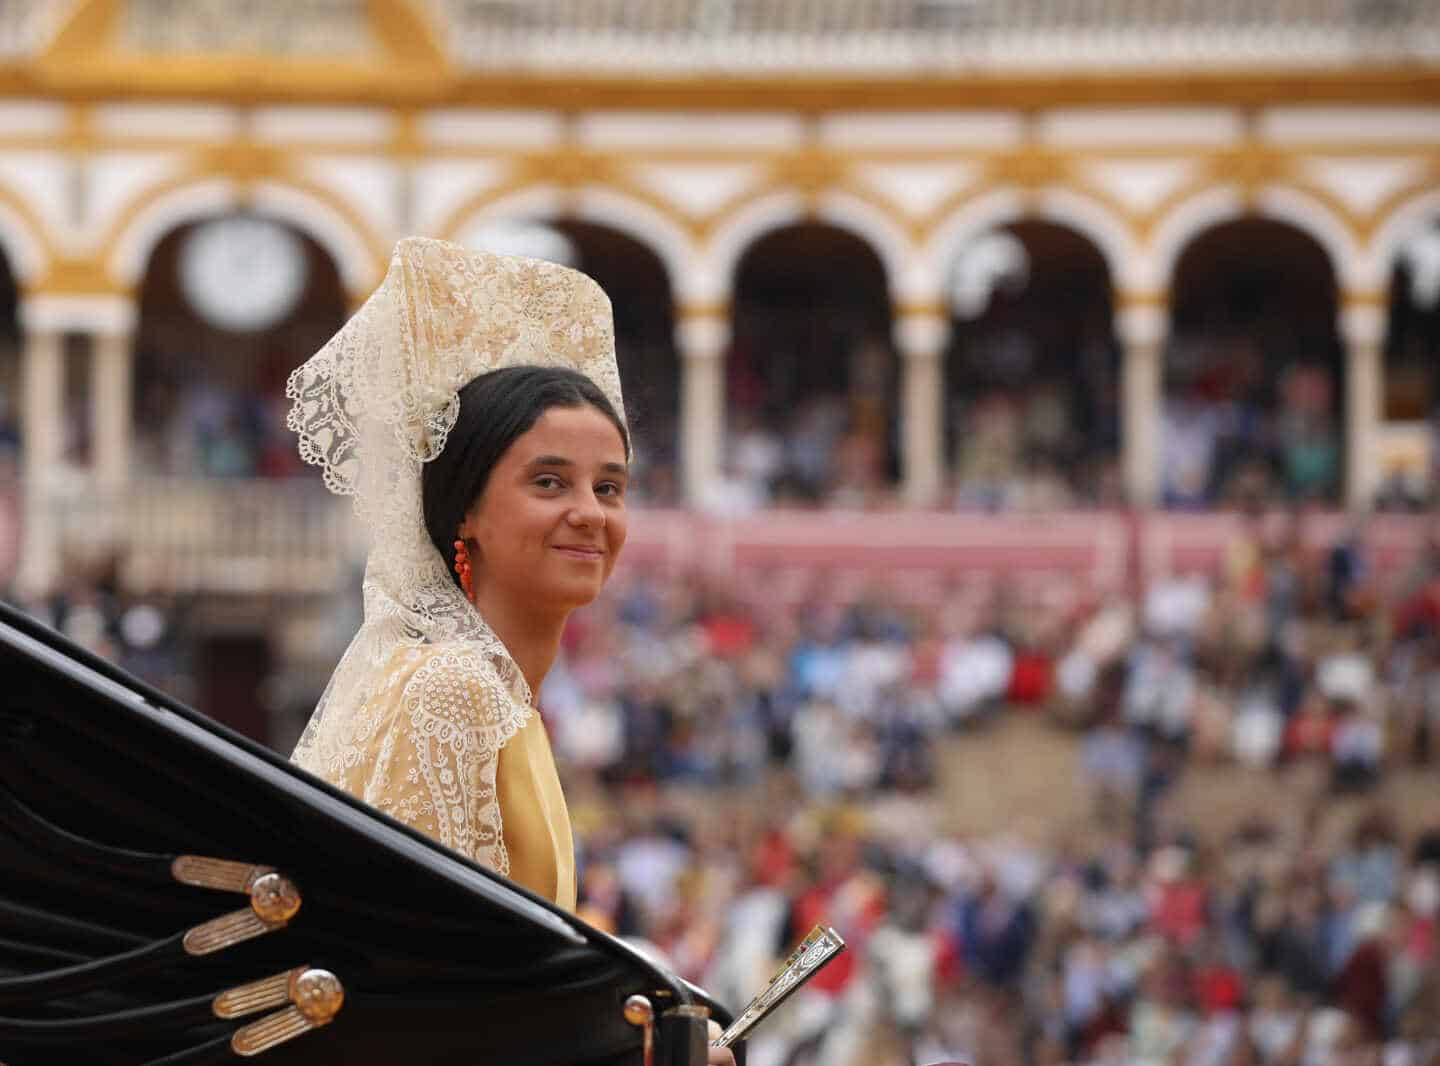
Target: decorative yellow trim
x,y
720,309
566,167
252,163
817,95
90,28
406,34
922,309
242,160
1030,167
810,170
460,216
1129,298
1251,167
78,277
567,170
1427,183
406,142
32,221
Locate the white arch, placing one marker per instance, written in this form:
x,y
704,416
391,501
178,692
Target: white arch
x,y
530,203
1280,203
1108,232
606,207
1186,221
354,258
131,251
599,206
1399,224
740,230
22,247
1062,207
736,232
905,275
215,196
1305,213
994,208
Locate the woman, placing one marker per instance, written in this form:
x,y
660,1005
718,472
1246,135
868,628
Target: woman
x,y
472,408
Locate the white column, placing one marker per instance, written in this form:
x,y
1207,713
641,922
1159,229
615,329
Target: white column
x,y
701,336
1362,327
1140,326
44,321
921,338
110,407
42,388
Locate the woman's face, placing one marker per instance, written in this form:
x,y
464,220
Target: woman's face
x,y
551,522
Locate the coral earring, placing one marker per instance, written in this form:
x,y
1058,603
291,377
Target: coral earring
x,y
462,568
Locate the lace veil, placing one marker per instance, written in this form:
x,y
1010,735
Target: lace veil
x,y
379,400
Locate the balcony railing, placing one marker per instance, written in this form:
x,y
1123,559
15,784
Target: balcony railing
x,y
192,536
278,538
898,35
24,24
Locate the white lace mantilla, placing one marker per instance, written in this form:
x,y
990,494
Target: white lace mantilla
x,y
371,407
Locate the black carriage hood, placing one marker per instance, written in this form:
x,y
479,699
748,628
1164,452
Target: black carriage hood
x,y
106,956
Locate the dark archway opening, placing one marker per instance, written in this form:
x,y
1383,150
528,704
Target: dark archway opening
x,y
1411,385
1032,372
209,394
1254,370
640,295
812,376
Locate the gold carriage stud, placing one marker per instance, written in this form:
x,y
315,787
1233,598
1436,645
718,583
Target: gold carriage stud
x,y
274,900
314,996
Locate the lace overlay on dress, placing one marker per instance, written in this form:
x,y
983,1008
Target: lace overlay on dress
x,y
429,749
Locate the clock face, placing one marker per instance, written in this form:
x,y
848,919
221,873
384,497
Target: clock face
x,y
243,273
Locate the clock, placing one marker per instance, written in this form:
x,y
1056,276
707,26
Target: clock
x,y
243,273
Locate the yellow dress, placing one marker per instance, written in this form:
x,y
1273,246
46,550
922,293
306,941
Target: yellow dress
x,y
444,745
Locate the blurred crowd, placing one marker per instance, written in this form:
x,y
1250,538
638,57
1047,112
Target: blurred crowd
x,y
741,769
201,428
1234,429
1026,430
749,757
1233,433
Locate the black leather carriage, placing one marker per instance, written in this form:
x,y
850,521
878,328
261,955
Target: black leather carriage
x,y
173,893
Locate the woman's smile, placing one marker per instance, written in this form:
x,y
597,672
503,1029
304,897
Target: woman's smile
x,y
580,551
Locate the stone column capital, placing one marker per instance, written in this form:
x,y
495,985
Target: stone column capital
x,y
702,333
1362,323
95,313
1142,320
921,334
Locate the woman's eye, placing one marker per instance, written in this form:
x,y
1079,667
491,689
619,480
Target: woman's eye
x,y
609,488
548,481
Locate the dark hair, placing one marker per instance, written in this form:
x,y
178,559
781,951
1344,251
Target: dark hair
x,y
495,409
